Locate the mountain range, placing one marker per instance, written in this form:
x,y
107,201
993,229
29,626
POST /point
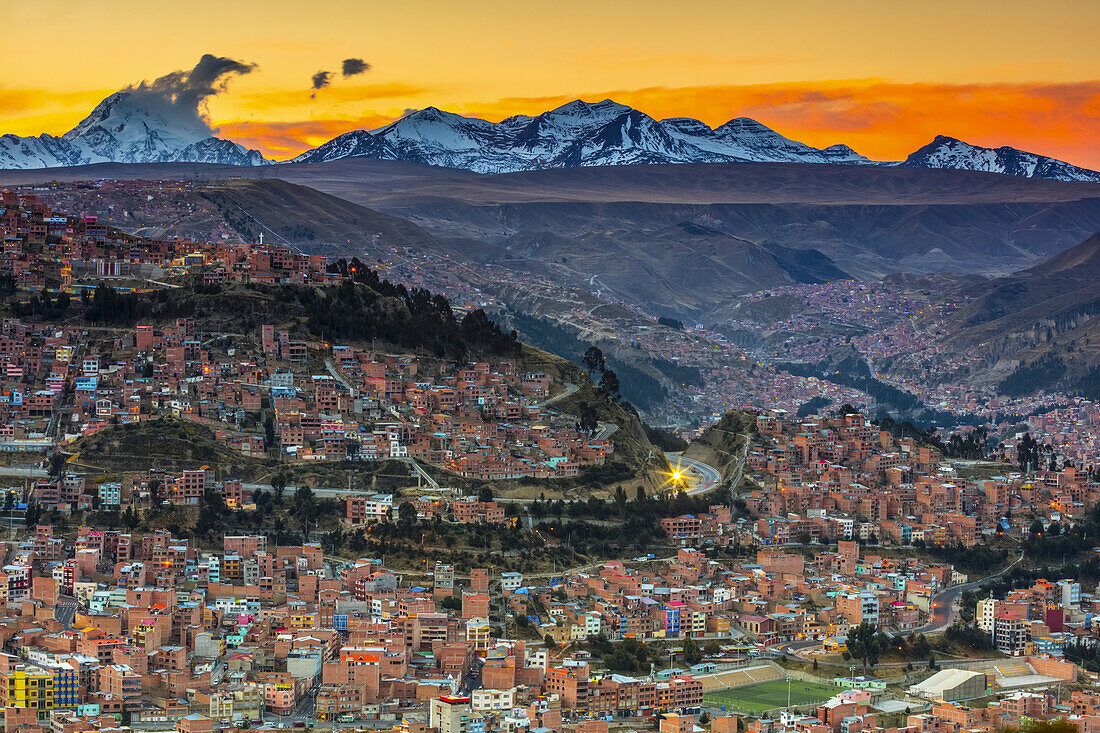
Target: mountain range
x,y
573,135
124,129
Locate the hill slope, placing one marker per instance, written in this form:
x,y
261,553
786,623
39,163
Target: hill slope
x,y
1043,320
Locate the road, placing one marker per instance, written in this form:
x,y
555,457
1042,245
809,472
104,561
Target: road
x,y
570,389
23,472
709,476
331,367
944,610
944,613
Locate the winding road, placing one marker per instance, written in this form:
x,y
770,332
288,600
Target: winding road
x,y
944,613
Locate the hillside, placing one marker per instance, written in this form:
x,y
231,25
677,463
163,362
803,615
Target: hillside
x,y
723,444
174,445
368,314
1041,324
677,240
682,239
308,218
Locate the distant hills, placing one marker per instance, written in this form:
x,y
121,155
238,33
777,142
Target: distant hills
x,y
1039,327
127,128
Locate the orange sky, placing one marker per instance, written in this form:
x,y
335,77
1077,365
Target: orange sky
x,y
882,77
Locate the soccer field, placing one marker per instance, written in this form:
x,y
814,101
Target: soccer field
x,y
756,699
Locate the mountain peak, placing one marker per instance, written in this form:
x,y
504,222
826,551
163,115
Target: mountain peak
x,y
129,126
580,107
950,152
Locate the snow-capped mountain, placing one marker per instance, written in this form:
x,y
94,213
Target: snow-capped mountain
x,y
575,134
127,127
948,152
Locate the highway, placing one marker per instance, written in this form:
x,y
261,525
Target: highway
x,y
708,477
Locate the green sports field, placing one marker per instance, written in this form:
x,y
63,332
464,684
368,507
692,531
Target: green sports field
x,y
756,699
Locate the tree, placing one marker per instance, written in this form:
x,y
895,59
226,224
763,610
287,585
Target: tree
x,y
609,385
588,420
269,431
865,643
594,359
549,641
704,719
305,507
406,514
56,469
32,514
154,492
712,648
485,493
278,484
692,653
620,497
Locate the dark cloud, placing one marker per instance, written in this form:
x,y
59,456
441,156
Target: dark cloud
x,y
322,79
179,98
189,89
354,66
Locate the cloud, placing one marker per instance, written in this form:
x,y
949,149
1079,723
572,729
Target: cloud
x,y
181,96
281,140
351,67
321,79
189,89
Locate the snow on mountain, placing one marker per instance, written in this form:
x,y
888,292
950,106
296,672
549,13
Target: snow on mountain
x,y
575,134
948,152
130,126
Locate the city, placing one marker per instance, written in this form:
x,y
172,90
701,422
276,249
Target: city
x,y
503,368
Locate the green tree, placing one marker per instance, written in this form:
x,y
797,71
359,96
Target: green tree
x,y
154,492
866,643
406,514
32,514
485,493
305,508
692,653
278,484
56,469
593,359
588,419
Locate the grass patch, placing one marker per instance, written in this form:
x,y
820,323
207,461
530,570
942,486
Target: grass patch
x,y
757,699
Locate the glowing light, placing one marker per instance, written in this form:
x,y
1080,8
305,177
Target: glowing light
x,y
676,477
